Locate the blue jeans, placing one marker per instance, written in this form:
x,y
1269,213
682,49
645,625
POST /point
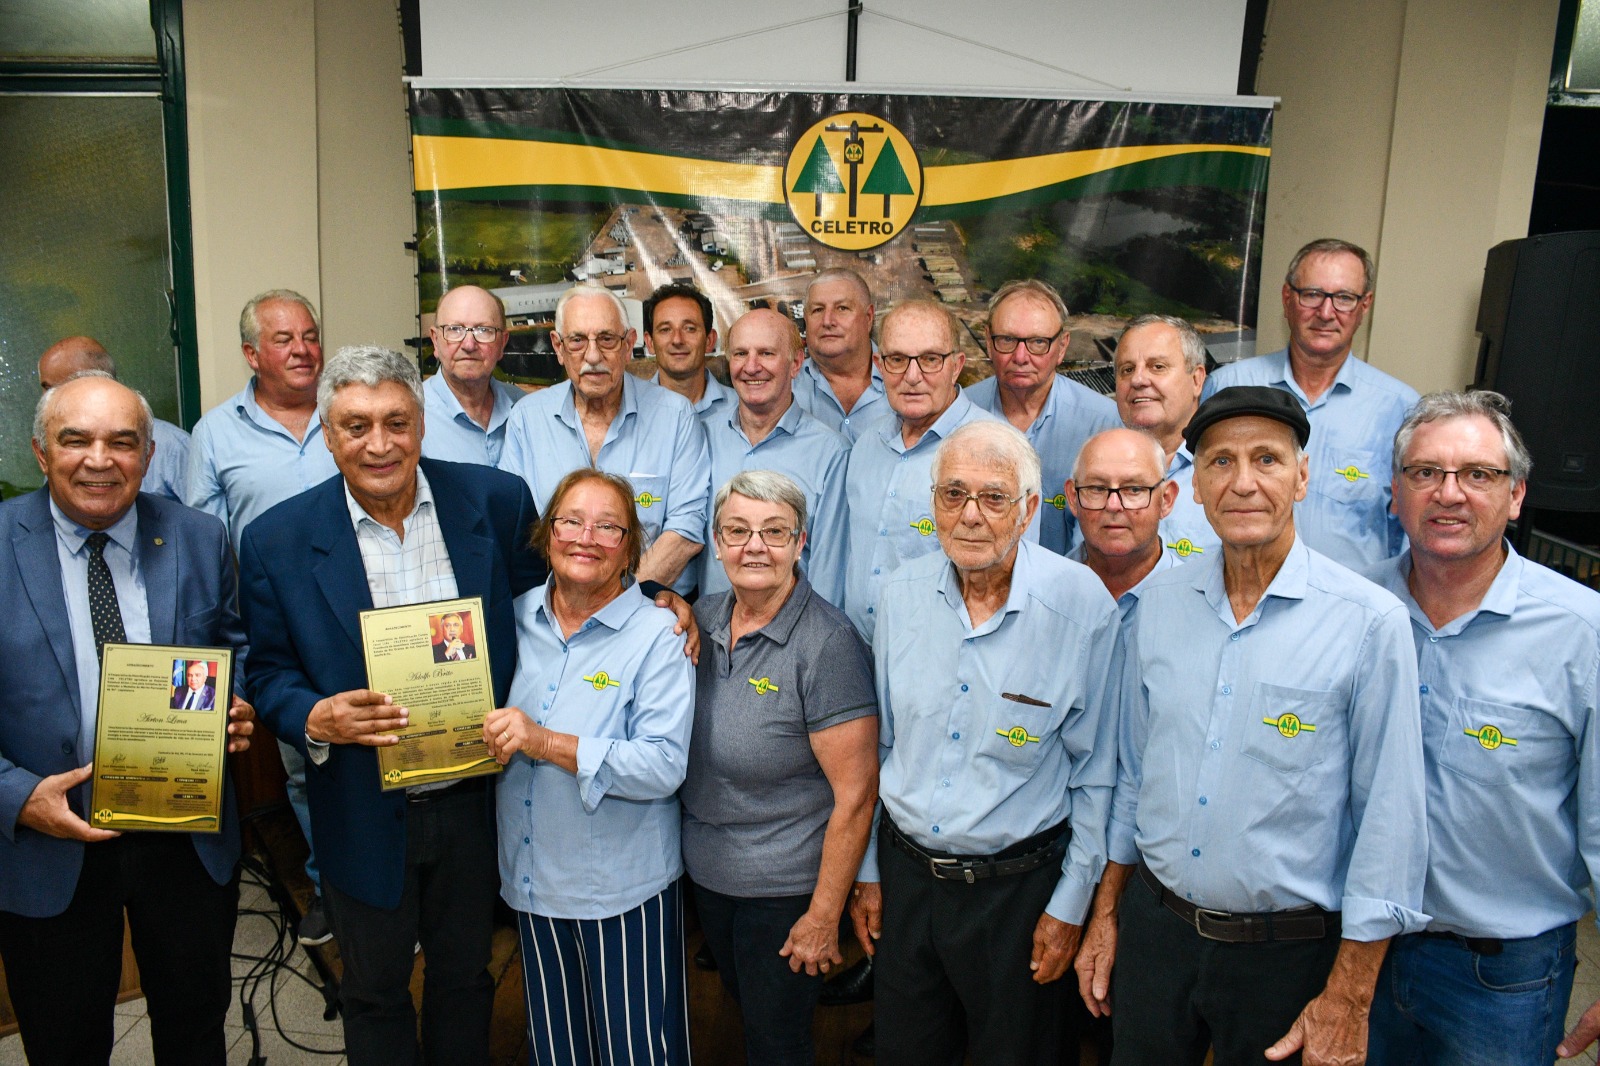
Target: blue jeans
x,y
1441,1004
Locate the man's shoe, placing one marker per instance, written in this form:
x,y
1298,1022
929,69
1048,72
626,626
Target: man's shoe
x,y
703,959
866,1044
314,925
852,986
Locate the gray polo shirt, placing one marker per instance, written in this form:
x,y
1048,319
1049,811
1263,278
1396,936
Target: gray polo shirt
x,y
756,802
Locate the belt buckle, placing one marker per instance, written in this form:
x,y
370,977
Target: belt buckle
x,y
936,867
1214,915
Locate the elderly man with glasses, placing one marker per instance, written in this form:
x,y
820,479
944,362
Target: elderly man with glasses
x,y
1027,341
998,719
467,406
1120,495
1354,408
604,417
886,484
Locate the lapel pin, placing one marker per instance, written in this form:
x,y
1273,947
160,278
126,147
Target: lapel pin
x,y
159,542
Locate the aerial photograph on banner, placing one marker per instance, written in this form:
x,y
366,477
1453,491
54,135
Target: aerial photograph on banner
x,y
1125,206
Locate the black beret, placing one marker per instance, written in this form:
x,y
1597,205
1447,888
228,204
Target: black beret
x,y
1262,400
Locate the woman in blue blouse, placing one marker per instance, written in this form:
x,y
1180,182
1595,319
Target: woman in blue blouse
x,y
595,745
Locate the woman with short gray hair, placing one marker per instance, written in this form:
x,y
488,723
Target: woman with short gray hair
x,y
783,768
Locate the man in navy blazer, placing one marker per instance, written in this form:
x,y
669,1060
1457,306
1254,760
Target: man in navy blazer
x,y
399,867
195,695
64,884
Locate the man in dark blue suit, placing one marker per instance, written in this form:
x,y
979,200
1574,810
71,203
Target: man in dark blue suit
x,y
195,695
400,867
84,560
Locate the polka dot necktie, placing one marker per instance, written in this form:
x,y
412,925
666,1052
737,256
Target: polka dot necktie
x,y
104,613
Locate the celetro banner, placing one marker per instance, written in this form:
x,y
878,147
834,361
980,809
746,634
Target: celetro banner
x,y
1126,206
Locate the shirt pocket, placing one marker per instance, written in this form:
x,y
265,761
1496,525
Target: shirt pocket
x,y
1350,475
1500,743
1292,729
1016,733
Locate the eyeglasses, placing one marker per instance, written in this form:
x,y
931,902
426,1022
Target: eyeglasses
x,y
1005,344
1471,478
568,530
1132,497
455,334
1312,298
991,502
929,362
771,536
606,342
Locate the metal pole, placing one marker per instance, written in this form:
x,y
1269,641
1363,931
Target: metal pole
x,y
852,18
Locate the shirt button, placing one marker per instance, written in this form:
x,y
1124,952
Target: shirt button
x,y
1423,690
955,736
1433,640
936,829
883,532
524,880
66,747
892,493
552,688
869,610
546,705
1202,801
1233,636
1227,690
963,688
527,803
877,569
527,840
947,782
1215,744
1195,852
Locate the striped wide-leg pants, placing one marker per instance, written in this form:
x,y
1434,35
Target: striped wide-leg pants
x,y
607,991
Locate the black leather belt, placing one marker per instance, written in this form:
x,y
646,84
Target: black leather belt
x,y
1478,945
1030,854
1302,923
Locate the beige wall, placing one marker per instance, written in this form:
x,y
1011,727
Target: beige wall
x,y
1412,129
298,159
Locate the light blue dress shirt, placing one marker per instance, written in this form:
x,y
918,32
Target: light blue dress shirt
x,y
1186,532
655,442
1285,750
1130,599
169,465
132,601
453,435
1513,751
716,400
242,462
600,843
811,454
889,493
1345,514
970,769
1071,415
813,393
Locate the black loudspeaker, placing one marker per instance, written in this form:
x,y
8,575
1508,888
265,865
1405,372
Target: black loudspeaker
x,y
1539,317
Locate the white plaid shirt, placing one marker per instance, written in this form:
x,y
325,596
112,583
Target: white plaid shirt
x,y
416,570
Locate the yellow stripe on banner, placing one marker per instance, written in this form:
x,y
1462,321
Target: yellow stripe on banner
x,y
968,182
479,162
474,162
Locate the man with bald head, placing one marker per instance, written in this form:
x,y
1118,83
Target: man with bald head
x,y
768,430
1160,369
85,560
1027,341
466,406
1119,496
170,460
891,465
839,384
604,417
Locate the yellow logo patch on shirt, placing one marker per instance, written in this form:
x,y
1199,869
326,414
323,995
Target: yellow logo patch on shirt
x,y
1186,548
923,525
763,685
1289,725
1017,736
602,680
645,499
1350,473
1490,737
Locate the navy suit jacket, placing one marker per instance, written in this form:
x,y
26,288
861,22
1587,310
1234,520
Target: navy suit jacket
x,y
208,698
302,590
184,558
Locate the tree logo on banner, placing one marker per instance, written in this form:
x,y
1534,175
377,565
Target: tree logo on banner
x,y
853,181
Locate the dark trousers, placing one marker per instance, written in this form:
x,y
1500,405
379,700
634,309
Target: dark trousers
x,y
745,934
63,971
1174,993
448,906
952,968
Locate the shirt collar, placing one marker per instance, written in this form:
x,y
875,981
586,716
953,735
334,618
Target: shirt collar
x,y
568,411
124,532
1289,583
782,625
1500,599
358,514
1285,377
959,411
614,615
1022,579
1181,460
